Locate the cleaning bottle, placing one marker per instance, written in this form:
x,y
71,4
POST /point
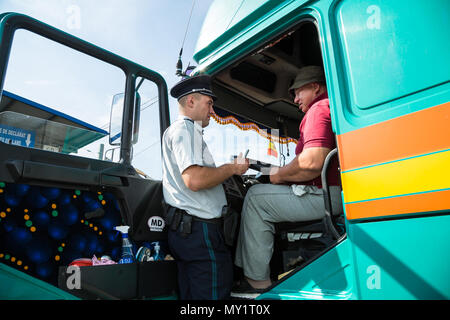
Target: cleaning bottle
x,y
127,248
157,255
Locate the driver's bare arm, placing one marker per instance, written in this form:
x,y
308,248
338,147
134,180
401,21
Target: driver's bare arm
x,y
304,167
198,178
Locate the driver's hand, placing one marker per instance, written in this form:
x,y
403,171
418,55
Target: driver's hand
x,y
241,165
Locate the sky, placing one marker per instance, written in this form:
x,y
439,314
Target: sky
x,y
148,32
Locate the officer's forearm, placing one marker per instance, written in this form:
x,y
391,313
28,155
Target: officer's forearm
x,y
198,178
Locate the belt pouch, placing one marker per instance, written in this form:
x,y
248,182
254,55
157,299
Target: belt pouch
x,y
169,214
176,220
231,219
186,224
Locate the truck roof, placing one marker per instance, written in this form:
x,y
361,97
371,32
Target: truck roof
x,y
229,23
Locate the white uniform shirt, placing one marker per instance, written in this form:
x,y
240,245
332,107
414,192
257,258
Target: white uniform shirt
x,y
182,147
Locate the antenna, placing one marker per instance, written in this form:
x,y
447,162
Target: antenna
x,y
179,66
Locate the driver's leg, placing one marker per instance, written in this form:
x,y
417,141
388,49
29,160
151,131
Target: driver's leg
x,y
265,204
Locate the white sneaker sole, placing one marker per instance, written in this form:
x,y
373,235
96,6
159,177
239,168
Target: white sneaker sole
x,y
244,295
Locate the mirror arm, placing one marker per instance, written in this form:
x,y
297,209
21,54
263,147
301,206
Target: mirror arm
x,y
164,115
127,120
139,84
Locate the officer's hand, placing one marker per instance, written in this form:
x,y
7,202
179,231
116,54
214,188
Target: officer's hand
x,y
241,165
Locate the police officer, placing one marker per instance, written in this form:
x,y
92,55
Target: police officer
x,y
192,188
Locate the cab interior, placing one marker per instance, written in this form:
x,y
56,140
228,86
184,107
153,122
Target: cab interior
x,y
256,86
255,89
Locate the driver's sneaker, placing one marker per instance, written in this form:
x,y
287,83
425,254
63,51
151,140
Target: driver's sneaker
x,y
244,290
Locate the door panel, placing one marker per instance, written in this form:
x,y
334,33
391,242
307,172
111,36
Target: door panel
x,y
55,205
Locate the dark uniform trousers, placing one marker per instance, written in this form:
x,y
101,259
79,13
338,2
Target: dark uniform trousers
x,y
205,268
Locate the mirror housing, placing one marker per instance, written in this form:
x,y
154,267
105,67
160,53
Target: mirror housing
x,y
116,117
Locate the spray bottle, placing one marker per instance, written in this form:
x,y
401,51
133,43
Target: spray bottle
x,y
127,248
157,255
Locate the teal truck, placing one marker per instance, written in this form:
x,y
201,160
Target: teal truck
x,y
387,68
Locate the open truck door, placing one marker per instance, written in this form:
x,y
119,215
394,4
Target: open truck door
x,y
58,205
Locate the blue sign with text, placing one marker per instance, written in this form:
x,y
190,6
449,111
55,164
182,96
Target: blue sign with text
x,y
17,136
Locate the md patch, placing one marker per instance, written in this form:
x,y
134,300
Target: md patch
x,y
156,224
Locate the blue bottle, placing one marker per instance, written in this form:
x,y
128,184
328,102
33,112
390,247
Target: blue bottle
x,y
127,247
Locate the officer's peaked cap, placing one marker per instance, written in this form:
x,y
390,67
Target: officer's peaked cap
x,y
197,84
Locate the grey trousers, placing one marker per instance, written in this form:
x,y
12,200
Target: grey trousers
x,y
266,204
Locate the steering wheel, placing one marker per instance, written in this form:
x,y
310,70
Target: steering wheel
x,y
262,176
257,165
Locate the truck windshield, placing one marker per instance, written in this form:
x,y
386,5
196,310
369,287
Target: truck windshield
x,y
227,140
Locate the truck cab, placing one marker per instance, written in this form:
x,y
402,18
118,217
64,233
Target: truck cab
x,y
66,180
377,63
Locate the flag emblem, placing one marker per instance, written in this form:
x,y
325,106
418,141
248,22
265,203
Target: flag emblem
x,y
272,151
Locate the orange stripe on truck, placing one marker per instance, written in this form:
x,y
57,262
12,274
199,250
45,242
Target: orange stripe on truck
x,y
416,203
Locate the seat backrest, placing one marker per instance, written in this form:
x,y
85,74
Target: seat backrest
x,y
328,220
325,186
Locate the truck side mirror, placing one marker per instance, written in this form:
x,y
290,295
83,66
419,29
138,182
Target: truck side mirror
x,y
115,123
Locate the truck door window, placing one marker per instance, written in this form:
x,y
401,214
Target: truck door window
x,y
388,58
147,144
57,99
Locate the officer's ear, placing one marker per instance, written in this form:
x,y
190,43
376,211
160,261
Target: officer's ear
x,y
190,101
186,101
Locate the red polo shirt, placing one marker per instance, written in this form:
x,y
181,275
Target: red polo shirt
x,y
315,131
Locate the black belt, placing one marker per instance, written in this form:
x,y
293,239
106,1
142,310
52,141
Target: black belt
x,y
178,219
214,220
